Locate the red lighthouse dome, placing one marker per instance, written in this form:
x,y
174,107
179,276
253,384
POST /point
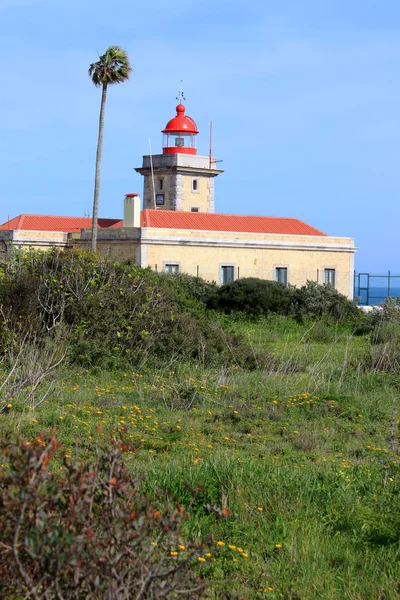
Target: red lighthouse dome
x,y
180,134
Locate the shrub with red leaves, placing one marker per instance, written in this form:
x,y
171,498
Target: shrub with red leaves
x,y
75,532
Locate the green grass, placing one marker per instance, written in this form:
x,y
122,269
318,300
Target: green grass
x,y
304,455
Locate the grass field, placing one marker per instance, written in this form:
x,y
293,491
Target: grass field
x,y
303,455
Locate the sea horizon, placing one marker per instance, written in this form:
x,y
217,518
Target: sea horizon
x,y
376,295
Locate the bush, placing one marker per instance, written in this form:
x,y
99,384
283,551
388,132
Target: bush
x,y
384,322
384,332
388,312
115,312
315,301
87,532
319,332
253,296
192,293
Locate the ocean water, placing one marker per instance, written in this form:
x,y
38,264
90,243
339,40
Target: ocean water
x,y
376,295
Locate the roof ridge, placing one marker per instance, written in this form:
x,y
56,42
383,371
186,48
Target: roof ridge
x,y
23,215
225,215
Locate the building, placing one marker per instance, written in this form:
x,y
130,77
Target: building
x,y
179,230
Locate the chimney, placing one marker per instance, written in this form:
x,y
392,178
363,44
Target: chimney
x,y
132,210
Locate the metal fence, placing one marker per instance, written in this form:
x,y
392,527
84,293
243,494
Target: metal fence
x,y
373,289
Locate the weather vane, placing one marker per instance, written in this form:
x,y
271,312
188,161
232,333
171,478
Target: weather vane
x,y
180,96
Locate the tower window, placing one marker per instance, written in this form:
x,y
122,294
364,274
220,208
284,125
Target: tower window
x,y
160,199
330,277
281,275
195,185
195,209
160,185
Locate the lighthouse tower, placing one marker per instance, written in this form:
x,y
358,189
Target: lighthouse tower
x,y
179,179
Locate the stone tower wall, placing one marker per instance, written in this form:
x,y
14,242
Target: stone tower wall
x,y
187,182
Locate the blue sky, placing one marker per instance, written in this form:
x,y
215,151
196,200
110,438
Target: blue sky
x,y
304,97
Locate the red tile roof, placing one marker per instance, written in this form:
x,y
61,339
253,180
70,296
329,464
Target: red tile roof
x,y
169,219
48,223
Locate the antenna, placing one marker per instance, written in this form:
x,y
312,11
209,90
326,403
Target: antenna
x,y
210,144
180,95
152,176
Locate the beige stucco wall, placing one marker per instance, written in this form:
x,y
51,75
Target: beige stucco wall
x,y
232,238
40,240
116,249
302,265
252,255
203,253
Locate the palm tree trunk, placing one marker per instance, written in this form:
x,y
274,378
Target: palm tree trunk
x,y
98,164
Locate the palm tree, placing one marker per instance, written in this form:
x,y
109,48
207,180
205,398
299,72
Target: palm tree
x,y
112,67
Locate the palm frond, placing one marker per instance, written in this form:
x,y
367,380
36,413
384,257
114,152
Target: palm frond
x,y
112,67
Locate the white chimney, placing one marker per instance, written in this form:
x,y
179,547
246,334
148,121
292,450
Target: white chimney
x,y
132,210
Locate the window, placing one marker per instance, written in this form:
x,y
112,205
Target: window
x,y
227,274
195,185
184,140
160,185
281,275
171,268
160,199
195,209
330,277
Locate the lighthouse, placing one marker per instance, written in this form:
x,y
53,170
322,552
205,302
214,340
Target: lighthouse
x,y
180,134
179,179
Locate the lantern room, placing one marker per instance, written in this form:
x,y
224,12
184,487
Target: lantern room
x,y
180,134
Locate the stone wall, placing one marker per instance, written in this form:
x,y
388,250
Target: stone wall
x,y
177,172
